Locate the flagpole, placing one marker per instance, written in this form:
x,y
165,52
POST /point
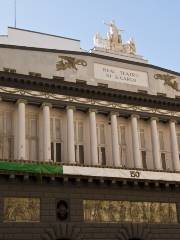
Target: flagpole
x,y
15,13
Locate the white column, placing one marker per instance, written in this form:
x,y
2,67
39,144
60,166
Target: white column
x,y
135,142
21,129
115,142
46,131
155,144
174,145
93,136
70,134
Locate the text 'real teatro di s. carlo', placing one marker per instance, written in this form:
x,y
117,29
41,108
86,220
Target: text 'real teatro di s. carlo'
x,y
89,140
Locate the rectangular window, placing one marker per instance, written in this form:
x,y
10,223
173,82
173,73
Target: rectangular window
x,y
52,151
103,156
143,155
142,145
161,141
101,143
79,141
31,137
178,140
6,136
142,139
58,152
162,150
163,160
81,154
122,144
56,139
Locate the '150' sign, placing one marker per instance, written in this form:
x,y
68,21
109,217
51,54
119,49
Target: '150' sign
x,y
135,174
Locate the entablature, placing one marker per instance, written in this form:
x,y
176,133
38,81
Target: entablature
x,y
24,84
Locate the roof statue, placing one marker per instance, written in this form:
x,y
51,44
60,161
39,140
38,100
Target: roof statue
x,y
113,42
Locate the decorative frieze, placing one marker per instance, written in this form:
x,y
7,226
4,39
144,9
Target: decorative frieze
x,y
128,211
18,209
66,62
87,101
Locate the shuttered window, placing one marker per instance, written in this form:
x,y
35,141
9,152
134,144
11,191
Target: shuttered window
x,y
6,136
178,140
142,145
56,139
101,143
79,141
122,144
162,150
32,137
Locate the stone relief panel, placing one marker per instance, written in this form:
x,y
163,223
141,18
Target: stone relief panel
x,y
127,211
21,209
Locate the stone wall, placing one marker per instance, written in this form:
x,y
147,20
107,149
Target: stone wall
x,y
74,191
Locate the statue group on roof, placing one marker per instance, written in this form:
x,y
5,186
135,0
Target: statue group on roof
x,y
113,42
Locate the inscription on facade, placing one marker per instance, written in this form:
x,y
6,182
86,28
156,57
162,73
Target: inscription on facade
x,y
121,75
21,209
127,211
135,174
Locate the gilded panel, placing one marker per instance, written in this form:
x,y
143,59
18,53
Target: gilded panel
x,y
21,209
127,211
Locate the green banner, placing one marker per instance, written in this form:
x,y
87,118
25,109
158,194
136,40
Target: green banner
x,y
40,168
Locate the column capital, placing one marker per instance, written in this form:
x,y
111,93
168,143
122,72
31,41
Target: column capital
x,y
154,118
135,116
46,104
172,120
93,110
71,107
21,100
114,113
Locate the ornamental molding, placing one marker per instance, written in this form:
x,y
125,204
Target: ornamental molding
x,y
87,101
169,80
66,62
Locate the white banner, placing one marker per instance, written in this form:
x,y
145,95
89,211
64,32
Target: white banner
x,y
120,173
121,75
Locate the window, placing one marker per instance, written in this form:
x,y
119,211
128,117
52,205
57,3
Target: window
x,y
32,137
178,140
163,160
101,144
79,143
144,163
161,140
162,150
122,145
6,136
56,139
142,145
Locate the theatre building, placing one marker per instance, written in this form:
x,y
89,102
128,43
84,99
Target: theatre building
x,y
89,140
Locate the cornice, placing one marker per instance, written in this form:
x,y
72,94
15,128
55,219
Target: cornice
x,y
59,86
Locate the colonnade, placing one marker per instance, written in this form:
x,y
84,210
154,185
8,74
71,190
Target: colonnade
x,y
93,137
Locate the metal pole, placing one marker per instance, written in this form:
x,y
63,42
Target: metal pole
x,y
15,13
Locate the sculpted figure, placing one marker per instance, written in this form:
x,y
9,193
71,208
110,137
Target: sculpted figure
x,y
97,39
113,36
114,41
66,62
168,80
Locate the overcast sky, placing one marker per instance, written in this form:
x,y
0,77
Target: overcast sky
x,y
154,24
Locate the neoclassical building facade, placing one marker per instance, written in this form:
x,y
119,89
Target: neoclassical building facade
x,y
89,141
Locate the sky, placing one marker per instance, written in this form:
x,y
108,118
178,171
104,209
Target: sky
x,y
154,24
